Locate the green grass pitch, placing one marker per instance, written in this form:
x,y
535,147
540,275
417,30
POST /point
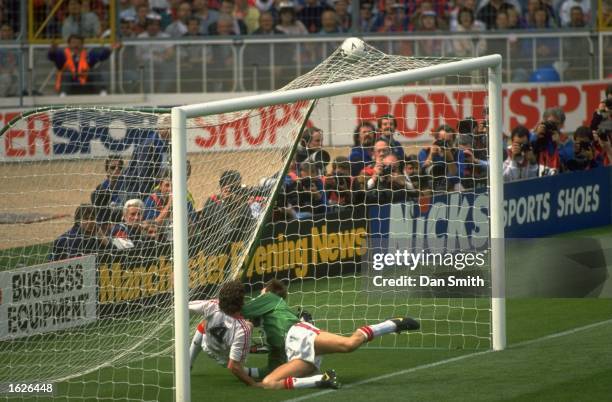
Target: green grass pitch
x,y
558,349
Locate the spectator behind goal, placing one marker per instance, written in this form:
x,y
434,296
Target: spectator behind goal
x,y
133,231
84,237
227,216
361,153
521,161
149,159
110,193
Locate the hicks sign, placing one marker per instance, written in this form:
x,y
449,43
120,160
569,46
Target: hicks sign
x,y
532,208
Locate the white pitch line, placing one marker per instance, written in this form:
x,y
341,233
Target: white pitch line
x,y
559,334
451,360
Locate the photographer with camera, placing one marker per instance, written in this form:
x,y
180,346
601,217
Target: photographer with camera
x,y
547,149
387,125
340,187
311,150
388,184
604,111
585,157
521,162
472,164
472,171
438,161
361,152
565,144
309,200
379,152
601,143
411,172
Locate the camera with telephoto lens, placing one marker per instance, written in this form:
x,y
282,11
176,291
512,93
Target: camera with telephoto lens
x,y
387,169
549,128
604,131
580,160
441,143
526,147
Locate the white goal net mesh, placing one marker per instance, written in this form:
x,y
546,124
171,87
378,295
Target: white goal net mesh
x,y
293,191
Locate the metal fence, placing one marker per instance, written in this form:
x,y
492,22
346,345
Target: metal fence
x,y
263,64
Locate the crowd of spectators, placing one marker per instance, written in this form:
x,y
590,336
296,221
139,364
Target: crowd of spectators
x,y
155,68
335,16
131,208
550,150
379,170
90,18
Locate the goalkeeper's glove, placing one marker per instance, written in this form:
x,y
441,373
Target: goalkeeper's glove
x,y
305,316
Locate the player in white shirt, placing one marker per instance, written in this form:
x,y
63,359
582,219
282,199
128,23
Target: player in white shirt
x,y
224,334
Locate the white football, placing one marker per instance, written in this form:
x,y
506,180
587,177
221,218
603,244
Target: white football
x,y
353,48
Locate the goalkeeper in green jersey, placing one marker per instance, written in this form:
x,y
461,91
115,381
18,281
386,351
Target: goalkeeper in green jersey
x,y
270,310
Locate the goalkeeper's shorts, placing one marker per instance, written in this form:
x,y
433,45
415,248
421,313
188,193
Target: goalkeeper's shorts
x,y
300,344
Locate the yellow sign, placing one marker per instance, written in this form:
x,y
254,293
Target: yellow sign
x,y
121,283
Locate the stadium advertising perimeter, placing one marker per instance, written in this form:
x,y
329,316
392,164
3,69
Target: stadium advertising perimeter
x,y
334,246
296,249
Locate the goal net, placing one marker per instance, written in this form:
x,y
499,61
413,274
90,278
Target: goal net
x,y
86,244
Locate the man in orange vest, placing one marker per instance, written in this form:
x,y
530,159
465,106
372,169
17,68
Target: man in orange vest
x,y
74,64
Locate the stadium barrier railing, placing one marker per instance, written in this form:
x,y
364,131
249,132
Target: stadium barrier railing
x,y
262,64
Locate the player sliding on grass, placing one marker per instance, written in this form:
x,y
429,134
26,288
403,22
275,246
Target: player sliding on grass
x,y
223,334
271,311
304,345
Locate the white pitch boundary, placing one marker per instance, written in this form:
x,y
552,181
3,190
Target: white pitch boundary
x,y
452,360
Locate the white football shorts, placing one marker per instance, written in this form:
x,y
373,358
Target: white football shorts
x,y
299,343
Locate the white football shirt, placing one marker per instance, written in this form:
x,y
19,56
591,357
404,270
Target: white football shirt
x,y
226,337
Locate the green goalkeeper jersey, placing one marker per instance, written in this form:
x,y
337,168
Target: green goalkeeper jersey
x,y
276,317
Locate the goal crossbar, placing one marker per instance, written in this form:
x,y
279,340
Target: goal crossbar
x,y
339,88
179,116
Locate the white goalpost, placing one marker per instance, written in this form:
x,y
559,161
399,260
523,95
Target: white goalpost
x,y
113,218
180,116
